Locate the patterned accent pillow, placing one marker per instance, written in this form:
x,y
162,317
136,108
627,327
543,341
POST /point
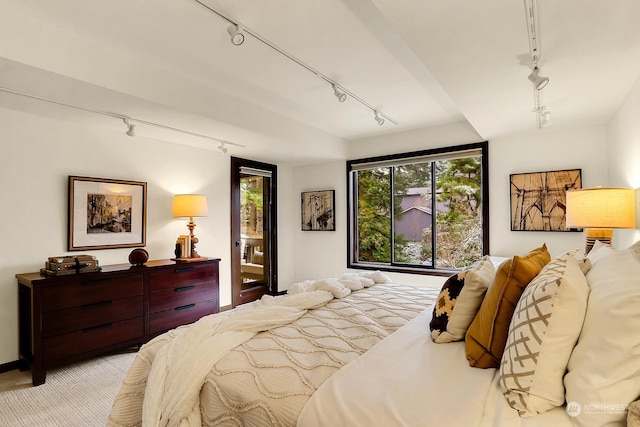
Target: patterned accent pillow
x,y
459,301
487,334
543,331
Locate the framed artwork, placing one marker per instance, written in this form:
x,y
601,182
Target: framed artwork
x,y
318,210
106,213
538,199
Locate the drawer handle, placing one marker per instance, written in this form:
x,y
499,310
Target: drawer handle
x,y
96,282
96,304
184,269
184,307
184,288
97,328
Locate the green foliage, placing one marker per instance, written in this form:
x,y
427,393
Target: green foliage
x,y
251,193
374,212
458,225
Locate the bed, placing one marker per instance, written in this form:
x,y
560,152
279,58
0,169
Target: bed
x,y
361,351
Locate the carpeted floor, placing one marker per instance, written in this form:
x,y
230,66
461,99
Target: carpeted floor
x,y
75,395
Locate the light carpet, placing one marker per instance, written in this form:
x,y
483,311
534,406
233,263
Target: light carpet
x,y
80,394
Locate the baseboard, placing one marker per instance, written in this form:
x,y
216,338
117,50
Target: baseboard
x,y
9,366
225,308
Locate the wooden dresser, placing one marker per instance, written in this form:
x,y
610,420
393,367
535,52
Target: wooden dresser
x,y
72,317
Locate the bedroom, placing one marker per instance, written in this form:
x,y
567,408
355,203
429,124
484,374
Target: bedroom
x,y
595,128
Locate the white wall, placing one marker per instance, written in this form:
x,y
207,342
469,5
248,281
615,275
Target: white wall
x,y
542,150
624,159
39,154
324,254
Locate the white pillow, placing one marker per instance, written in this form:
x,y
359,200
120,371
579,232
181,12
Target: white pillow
x,y
604,369
377,276
543,331
599,251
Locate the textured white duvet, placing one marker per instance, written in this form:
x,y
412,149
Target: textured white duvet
x,y
407,380
218,371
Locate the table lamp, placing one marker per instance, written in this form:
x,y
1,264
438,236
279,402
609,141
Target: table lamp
x,y
190,206
599,210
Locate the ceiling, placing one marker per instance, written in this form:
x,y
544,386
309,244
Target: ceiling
x,y
422,63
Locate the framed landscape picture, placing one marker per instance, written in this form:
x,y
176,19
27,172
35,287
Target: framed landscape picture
x,y
318,210
106,213
538,199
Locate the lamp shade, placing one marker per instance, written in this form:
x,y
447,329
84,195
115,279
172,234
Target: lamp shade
x,y
190,205
601,208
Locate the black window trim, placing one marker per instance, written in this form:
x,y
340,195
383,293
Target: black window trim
x,y
483,146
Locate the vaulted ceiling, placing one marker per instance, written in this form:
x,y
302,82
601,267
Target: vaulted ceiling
x,y
421,63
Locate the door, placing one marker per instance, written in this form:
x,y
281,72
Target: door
x,y
253,230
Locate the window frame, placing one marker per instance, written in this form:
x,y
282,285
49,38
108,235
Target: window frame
x,y
352,232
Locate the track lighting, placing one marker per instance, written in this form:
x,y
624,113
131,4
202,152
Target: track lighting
x,y
546,118
222,148
339,93
237,32
543,117
131,131
237,35
378,118
127,120
539,82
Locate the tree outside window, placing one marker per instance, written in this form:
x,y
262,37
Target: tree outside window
x,y
398,201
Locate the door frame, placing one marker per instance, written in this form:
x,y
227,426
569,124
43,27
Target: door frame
x,y
270,225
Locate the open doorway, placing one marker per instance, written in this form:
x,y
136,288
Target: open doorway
x,y
253,230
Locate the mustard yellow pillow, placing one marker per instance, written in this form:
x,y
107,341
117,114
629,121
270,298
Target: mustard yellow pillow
x,y
487,334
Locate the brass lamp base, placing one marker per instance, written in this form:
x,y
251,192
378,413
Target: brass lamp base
x,y
603,234
191,225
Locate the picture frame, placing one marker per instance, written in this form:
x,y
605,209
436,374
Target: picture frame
x,y
106,213
318,210
538,199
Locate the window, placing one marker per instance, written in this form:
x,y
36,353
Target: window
x,y
396,202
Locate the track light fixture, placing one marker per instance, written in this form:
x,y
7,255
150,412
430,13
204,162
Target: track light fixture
x,y
222,148
543,116
237,35
378,118
539,82
339,93
237,32
545,119
131,127
127,120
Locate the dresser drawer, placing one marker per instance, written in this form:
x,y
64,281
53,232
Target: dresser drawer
x,y
76,294
94,338
181,275
90,315
181,296
169,319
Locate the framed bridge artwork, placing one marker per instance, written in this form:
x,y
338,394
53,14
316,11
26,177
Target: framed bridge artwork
x,y
538,199
318,210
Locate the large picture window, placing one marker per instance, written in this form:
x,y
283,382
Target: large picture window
x,y
422,212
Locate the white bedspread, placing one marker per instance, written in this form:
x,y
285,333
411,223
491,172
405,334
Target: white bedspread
x,y
407,380
218,371
179,369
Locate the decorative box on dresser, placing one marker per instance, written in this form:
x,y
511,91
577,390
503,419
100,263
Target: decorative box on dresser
x,y
72,317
